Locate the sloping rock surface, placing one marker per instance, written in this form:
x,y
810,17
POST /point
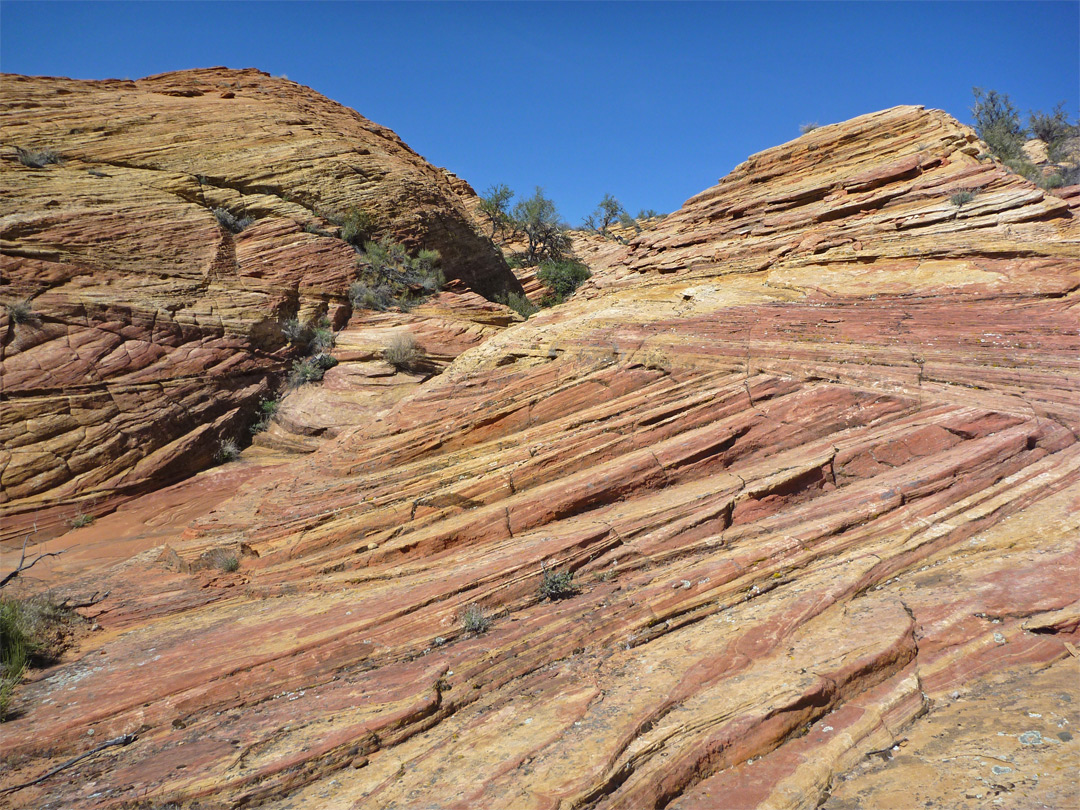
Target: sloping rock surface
x,y
808,447
153,331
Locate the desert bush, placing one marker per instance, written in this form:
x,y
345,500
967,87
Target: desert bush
x,y
475,620
1053,128
960,198
557,584
20,311
628,221
313,338
268,408
810,126
650,213
310,369
37,159
296,333
390,276
33,632
223,559
519,303
563,277
401,351
228,220
80,519
322,338
357,226
1049,181
363,296
228,450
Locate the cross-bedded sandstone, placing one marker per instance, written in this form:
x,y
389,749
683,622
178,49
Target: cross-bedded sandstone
x,y
809,448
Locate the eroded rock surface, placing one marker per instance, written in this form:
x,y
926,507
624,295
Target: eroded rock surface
x,y
809,448
150,331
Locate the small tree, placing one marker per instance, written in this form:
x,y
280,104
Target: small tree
x,y
538,219
997,123
1053,128
608,212
495,207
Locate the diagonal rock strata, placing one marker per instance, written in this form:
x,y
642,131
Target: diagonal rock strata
x,y
809,448
156,331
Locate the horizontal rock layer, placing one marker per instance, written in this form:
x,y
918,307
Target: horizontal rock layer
x,y
153,331
809,448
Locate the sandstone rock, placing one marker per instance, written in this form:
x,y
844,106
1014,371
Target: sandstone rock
x,y
839,406
155,330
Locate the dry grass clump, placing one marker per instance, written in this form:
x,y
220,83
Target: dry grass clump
x,y
401,351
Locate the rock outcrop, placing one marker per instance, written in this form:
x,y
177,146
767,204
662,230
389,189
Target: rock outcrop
x,y
138,332
808,446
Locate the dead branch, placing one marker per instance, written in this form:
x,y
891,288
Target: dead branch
x,y
123,739
24,565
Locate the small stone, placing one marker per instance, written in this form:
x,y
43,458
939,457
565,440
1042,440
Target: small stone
x,y
90,733
998,770
1000,639
359,762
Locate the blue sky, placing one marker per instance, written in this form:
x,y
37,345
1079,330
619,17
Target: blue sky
x,y
651,102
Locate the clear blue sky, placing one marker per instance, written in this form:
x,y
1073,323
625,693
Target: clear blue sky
x,y
651,102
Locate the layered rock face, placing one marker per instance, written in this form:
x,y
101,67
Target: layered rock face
x,y
148,331
809,449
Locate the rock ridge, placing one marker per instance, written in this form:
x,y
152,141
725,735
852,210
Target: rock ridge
x,y
152,331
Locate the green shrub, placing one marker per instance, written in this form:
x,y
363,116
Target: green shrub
x,y
474,620
223,559
557,585
268,408
1050,181
295,332
519,303
401,351
312,338
33,631
37,159
357,227
563,277
81,519
229,221
310,369
362,296
960,198
390,276
20,311
1054,129
322,338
